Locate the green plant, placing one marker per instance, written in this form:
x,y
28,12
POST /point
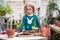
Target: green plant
x,y
49,12
8,9
33,27
51,7
5,9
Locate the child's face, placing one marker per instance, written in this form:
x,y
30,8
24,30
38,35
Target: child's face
x,y
29,10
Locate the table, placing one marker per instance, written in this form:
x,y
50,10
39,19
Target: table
x,y
23,38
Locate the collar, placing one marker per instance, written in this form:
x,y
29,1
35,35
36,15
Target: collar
x,y
30,15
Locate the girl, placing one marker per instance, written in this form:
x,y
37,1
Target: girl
x,y
30,20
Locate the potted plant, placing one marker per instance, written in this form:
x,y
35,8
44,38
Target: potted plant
x,y
49,12
10,33
6,9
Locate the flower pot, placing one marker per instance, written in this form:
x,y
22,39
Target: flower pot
x,y
10,33
45,31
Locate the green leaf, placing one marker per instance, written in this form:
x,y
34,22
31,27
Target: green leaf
x,y
18,24
51,7
33,27
5,9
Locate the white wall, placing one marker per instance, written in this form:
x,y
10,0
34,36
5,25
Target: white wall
x,y
17,7
58,2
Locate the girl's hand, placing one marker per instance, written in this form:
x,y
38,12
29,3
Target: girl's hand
x,y
31,32
23,31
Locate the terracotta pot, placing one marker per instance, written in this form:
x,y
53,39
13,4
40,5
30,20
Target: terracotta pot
x,y
10,33
57,23
45,31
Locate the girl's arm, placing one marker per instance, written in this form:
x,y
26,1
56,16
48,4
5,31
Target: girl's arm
x,y
23,23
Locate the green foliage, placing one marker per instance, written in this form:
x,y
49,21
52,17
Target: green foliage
x,y
51,7
18,25
8,9
4,10
34,21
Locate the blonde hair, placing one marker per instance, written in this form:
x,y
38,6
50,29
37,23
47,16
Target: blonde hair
x,y
32,6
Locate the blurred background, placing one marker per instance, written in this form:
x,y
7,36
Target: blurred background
x,y
12,11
